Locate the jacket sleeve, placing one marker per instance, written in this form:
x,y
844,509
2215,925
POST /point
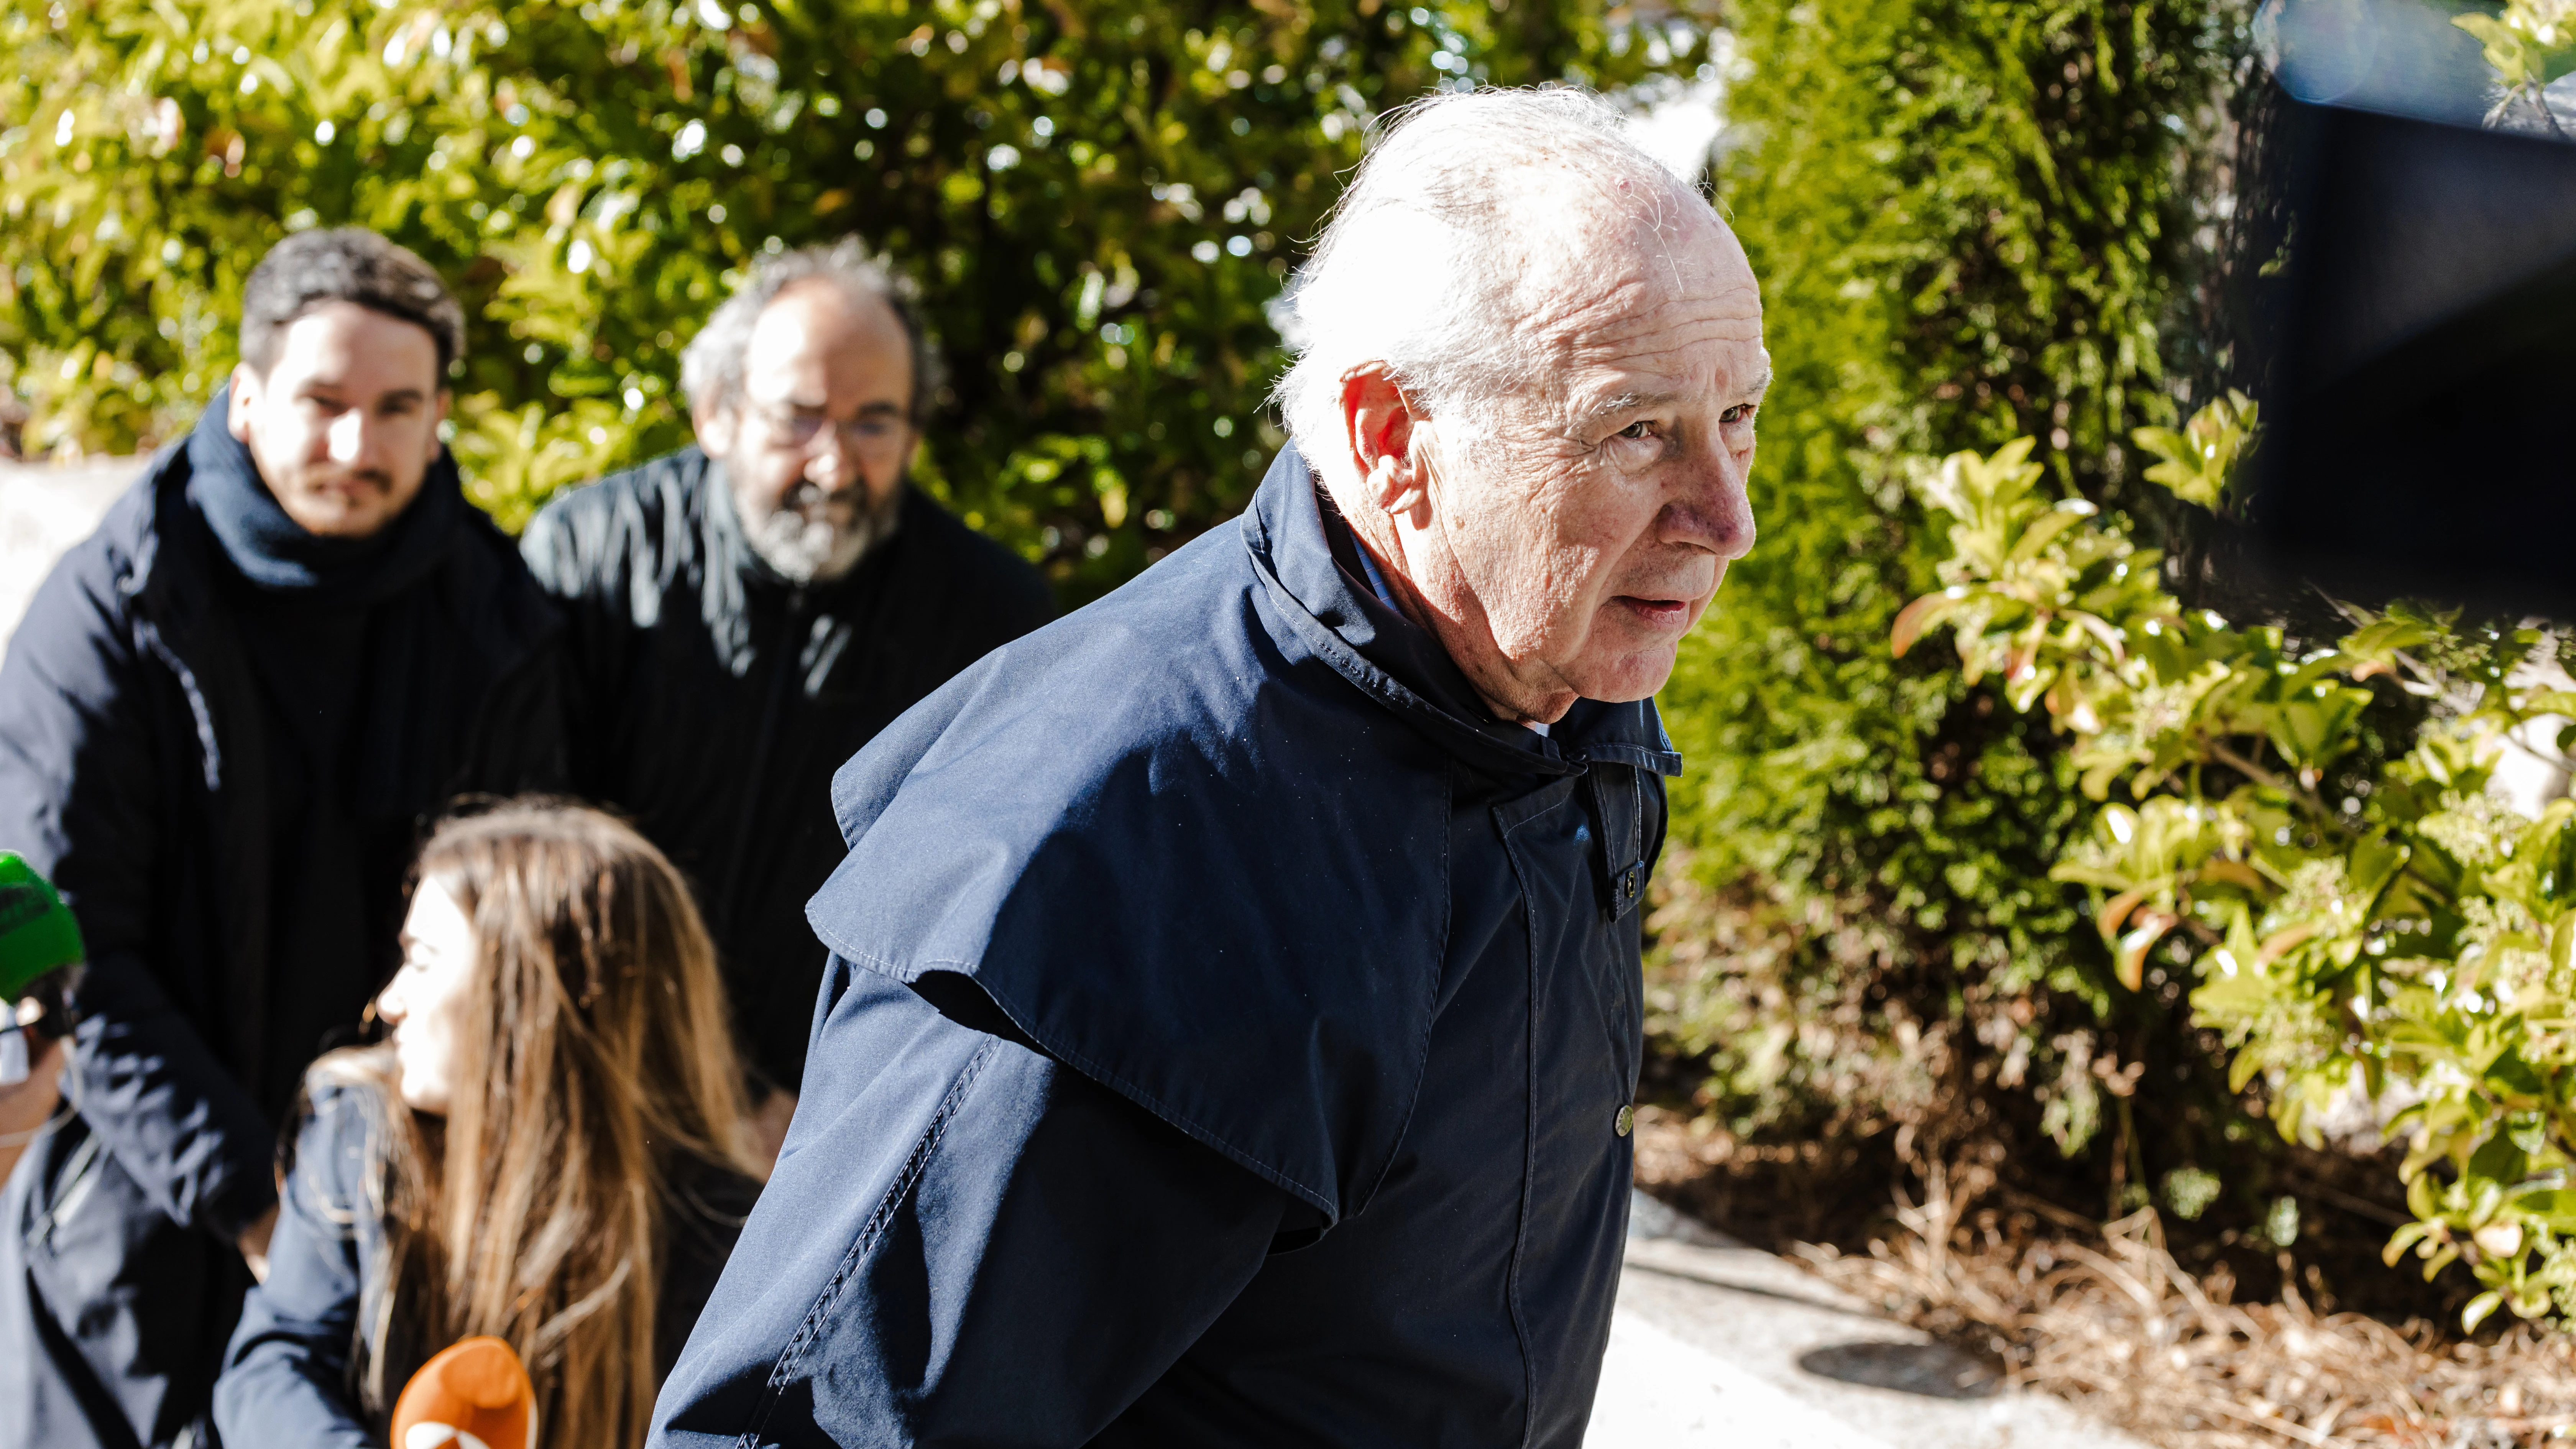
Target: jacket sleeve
x,y
286,1376
965,1243
81,780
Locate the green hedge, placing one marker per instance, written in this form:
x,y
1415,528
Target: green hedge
x,y
1098,198
1973,220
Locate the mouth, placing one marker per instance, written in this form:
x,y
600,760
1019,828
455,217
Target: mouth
x,y
1658,614
353,487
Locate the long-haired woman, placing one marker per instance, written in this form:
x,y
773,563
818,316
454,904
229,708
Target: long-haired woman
x,y
551,1149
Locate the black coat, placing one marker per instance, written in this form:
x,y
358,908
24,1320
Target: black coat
x,y
713,699
1228,1042
140,744
290,1376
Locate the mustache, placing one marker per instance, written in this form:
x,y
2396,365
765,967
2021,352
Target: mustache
x,y
376,478
807,496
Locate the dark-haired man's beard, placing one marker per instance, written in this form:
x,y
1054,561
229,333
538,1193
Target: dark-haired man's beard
x,y
814,537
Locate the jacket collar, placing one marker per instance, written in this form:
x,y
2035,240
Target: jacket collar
x,y
1290,532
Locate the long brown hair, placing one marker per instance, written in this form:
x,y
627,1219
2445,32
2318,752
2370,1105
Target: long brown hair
x,y
595,1055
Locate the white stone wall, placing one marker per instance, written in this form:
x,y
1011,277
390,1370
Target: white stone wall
x,y
43,511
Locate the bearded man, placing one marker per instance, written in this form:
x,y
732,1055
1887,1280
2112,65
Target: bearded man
x,y
1235,1002
749,611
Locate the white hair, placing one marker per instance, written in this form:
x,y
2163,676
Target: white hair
x,y
1423,265
712,366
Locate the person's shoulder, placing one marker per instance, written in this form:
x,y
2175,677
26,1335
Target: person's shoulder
x,y
130,538
655,482
618,524
995,573
1171,678
99,582
1166,648
492,586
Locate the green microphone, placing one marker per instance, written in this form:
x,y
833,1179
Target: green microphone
x,y
38,937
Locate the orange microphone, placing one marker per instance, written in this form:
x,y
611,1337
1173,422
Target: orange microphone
x,y
473,1395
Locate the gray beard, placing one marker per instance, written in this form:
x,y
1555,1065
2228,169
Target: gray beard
x,y
815,550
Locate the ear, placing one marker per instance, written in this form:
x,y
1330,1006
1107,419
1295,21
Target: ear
x,y
244,396
437,420
716,427
1379,423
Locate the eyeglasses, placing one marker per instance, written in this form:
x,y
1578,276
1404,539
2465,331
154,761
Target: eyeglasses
x,y
796,430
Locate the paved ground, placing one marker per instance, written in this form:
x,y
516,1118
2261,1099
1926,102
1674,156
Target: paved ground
x,y
1721,1346
1715,1346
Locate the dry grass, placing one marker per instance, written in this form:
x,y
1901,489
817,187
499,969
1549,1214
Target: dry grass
x,y
2105,1316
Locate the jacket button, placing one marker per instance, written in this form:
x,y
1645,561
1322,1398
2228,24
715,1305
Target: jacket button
x,y
1625,1122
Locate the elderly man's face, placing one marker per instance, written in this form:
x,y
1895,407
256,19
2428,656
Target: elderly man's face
x,y
817,446
1562,540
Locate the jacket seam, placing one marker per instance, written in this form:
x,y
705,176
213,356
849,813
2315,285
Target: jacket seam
x,y
1197,1131
200,712
1529,1119
810,1330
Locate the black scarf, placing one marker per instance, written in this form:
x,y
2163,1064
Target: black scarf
x,y
275,553
413,668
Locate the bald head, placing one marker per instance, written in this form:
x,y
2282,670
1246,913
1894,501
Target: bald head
x,y
1475,226
1531,362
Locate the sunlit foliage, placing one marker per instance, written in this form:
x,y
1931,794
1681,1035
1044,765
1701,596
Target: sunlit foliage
x,y
2349,915
1974,220
1097,199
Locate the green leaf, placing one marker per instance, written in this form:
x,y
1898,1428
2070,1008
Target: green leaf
x,y
1927,612
2478,1309
2374,861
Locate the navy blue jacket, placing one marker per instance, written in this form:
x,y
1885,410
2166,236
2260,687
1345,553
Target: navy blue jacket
x,y
291,1376
138,736
1225,1042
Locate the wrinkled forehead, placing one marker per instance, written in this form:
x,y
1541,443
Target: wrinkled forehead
x,y
1624,269
814,335
1648,296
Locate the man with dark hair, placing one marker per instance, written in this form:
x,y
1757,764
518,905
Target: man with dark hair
x,y
221,724
747,612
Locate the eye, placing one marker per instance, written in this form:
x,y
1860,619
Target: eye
x,y
1740,413
1637,430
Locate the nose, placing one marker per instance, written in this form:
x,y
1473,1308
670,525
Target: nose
x,y
348,438
389,1003
354,442
830,465
1711,510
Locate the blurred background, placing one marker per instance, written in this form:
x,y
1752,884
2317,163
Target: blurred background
x,y
1975,221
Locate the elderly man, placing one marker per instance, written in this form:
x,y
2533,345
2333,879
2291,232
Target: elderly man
x,y
749,611
1234,1008
222,724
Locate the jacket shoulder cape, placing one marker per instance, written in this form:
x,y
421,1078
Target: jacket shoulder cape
x,y
1185,856
635,541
